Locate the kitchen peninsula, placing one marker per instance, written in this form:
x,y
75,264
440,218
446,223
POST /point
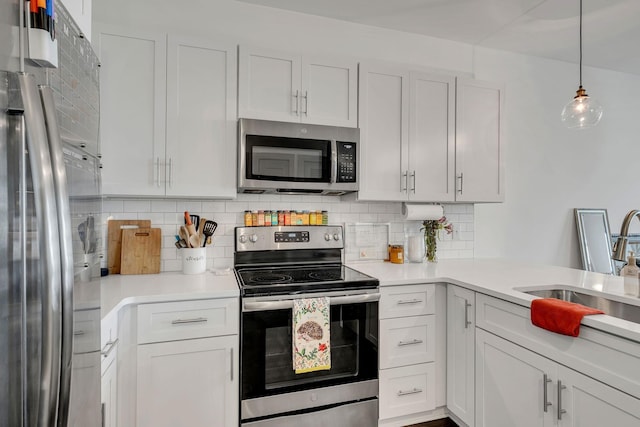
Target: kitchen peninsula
x,y
504,351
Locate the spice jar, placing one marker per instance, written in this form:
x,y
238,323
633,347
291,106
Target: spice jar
x,y
396,254
287,218
248,219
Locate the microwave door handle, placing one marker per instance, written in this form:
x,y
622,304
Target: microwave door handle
x,y
334,162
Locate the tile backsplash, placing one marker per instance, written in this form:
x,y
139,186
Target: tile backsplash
x,y
369,226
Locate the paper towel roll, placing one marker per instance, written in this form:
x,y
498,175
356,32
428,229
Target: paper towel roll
x,y
412,212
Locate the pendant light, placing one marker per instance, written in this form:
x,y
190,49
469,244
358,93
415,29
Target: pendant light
x,y
583,111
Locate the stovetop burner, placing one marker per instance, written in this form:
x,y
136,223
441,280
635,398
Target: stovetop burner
x,y
271,278
261,281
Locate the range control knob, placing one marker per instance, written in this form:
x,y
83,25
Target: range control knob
x,y
327,237
243,239
253,238
337,236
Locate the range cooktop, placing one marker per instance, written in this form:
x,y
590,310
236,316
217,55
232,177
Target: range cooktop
x,y
259,281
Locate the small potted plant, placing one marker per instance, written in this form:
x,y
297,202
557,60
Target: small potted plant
x,y
432,229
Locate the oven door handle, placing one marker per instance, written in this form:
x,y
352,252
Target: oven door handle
x,y
287,304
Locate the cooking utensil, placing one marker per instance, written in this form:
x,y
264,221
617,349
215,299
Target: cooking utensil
x,y
201,235
195,220
184,234
191,228
208,230
82,231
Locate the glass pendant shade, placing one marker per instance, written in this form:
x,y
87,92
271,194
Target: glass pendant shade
x,y
582,112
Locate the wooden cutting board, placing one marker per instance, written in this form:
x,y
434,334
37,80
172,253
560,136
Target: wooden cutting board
x,y
114,240
140,251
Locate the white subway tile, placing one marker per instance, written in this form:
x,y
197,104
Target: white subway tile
x,y
137,206
109,206
164,206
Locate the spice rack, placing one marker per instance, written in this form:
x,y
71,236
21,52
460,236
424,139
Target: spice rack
x,y
267,218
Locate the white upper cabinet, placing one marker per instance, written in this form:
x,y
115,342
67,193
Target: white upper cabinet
x,y
132,111
406,135
431,157
168,114
287,87
384,132
80,11
428,138
479,144
201,118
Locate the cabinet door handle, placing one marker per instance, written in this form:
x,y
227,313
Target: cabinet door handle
x,y
170,172
231,357
409,301
102,411
407,392
412,342
306,102
403,182
295,103
545,396
108,347
158,171
195,320
560,410
467,322
461,178
413,188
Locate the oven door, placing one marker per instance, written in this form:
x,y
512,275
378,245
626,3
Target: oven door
x,y
269,385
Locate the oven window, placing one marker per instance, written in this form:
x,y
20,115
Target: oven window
x,y
288,159
267,366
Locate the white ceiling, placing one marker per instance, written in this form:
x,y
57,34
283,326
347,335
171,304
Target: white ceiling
x,y
546,28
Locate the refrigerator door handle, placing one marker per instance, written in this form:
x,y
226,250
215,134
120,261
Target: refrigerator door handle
x,y
48,232
66,249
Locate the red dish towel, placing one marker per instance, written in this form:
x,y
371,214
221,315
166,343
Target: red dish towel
x,y
559,316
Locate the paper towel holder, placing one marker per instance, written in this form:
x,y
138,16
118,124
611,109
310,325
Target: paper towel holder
x,y
422,211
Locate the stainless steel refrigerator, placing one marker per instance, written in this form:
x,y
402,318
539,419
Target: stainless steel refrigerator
x,y
50,216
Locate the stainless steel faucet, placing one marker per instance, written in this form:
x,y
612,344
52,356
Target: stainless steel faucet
x,y
620,248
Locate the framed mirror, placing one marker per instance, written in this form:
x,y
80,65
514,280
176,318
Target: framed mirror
x,y
594,238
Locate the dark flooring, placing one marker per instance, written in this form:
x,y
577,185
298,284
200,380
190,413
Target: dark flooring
x,y
437,423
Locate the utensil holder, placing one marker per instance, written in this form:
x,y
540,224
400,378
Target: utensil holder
x,y
194,260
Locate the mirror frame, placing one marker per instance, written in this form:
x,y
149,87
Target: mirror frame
x,y
587,263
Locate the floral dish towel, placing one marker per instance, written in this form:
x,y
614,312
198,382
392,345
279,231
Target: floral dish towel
x,y
311,339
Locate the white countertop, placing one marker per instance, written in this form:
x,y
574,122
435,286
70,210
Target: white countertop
x,y
494,277
498,278
118,290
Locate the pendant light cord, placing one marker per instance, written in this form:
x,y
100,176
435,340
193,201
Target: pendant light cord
x,y
580,43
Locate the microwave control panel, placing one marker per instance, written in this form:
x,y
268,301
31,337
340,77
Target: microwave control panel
x,y
346,161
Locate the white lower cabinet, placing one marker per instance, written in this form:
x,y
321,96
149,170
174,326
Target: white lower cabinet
x,y
189,383
186,370
406,390
109,392
412,341
517,387
109,369
461,327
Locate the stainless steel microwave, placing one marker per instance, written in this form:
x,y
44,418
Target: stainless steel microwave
x,y
295,158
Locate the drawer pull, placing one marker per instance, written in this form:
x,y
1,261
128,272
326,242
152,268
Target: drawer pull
x,y
108,347
78,333
408,392
195,320
412,342
545,394
409,301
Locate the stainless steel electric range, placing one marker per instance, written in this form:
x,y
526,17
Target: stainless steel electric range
x,y
274,266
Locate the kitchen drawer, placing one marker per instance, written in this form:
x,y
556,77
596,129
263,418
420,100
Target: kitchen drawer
x,y
404,301
407,390
86,327
407,340
108,340
172,321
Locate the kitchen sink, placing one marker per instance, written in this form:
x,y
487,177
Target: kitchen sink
x,y
610,306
